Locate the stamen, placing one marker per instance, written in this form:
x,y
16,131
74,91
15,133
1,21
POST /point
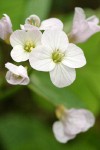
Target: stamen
x,y
33,20
17,76
29,46
57,56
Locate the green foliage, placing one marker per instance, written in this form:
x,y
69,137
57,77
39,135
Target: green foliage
x,y
20,9
87,85
22,133
15,9
38,7
41,84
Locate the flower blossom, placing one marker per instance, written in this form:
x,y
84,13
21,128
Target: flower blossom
x,y
33,21
57,56
72,122
5,28
83,28
23,43
16,74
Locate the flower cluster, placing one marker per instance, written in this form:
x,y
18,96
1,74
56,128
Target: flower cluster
x,y
48,48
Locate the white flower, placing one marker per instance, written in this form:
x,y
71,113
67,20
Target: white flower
x,y
23,43
34,21
16,74
57,56
83,28
72,122
5,28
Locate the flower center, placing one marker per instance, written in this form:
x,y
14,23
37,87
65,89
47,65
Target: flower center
x,y
29,46
32,22
57,56
17,76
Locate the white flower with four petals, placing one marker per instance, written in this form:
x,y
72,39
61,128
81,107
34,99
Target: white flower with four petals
x,y
57,56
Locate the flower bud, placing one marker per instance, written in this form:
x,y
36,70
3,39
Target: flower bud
x,y
5,28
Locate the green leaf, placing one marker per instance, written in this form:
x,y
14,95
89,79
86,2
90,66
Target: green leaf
x,y
15,9
87,85
38,7
41,84
20,9
19,132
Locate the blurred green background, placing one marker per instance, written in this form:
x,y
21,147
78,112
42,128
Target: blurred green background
x,y
27,113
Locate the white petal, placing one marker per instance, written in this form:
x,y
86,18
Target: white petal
x,y
18,70
58,130
52,23
93,28
28,27
19,37
22,71
5,28
78,121
7,18
62,75
79,17
18,54
55,39
12,68
80,34
41,59
35,36
2,32
74,57
93,19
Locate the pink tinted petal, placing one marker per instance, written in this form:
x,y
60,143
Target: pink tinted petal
x,y
83,28
78,120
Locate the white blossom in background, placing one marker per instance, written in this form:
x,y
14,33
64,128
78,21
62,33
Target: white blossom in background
x,y
33,21
71,123
57,56
83,28
5,28
23,43
16,74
